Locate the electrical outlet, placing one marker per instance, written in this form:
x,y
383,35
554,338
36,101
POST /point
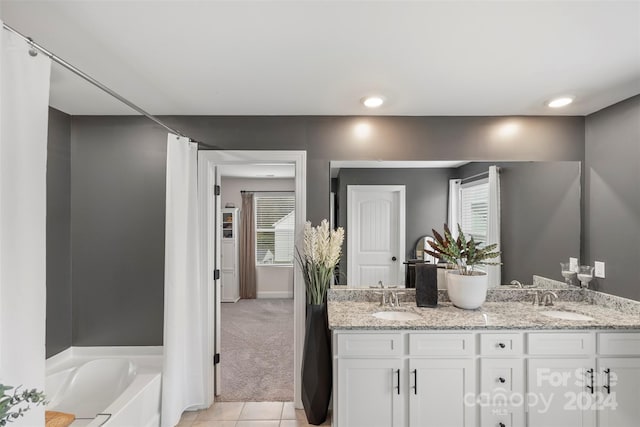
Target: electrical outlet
x,y
599,269
573,264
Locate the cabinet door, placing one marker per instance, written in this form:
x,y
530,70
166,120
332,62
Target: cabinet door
x,y
227,255
559,392
442,393
371,393
620,387
227,281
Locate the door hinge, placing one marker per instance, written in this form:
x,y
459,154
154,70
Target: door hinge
x,y
216,274
216,190
216,358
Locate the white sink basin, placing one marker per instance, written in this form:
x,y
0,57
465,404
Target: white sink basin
x,y
396,315
565,315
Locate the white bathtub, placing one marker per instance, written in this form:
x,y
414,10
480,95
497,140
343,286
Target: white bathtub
x,y
105,389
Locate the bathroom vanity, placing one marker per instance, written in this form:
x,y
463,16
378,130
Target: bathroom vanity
x,y
508,364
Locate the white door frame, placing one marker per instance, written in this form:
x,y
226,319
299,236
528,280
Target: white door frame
x,y
207,165
401,189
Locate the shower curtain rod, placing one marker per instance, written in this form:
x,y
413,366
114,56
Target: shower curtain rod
x,y
96,83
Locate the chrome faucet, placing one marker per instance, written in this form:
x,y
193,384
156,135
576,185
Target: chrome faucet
x,y
548,297
517,283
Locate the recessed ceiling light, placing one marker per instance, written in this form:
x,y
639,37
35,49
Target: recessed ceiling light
x,y
372,101
560,102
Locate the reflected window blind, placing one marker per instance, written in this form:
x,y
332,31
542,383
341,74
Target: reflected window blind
x,y
275,221
474,210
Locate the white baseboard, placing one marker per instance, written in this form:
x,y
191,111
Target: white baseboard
x,y
274,294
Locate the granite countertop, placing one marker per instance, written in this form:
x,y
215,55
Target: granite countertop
x,y
356,313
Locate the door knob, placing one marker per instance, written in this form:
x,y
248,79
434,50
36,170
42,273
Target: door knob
x,y
394,259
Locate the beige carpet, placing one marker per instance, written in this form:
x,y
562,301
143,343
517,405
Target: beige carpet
x,y
257,351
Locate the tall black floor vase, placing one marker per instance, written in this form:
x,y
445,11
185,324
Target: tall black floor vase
x,y
316,365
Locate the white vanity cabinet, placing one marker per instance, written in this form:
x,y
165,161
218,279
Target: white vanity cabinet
x,y
372,390
486,378
437,390
404,379
618,368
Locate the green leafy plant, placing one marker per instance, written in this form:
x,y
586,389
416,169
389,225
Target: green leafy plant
x,y
322,248
464,253
9,401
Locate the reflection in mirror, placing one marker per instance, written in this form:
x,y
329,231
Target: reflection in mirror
x,y
421,245
539,210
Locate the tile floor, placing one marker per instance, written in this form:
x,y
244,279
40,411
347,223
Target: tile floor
x,y
247,414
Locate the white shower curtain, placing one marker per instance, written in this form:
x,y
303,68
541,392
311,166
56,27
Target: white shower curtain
x,y
454,206
493,229
24,103
183,380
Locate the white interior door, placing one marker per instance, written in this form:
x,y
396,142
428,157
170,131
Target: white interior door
x,y
375,234
217,286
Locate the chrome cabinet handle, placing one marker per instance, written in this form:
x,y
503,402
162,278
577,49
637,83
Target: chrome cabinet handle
x,y
607,386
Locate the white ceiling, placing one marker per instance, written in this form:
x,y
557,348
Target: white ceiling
x,y
320,57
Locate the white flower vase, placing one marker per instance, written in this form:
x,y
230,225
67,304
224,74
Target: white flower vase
x,y
467,291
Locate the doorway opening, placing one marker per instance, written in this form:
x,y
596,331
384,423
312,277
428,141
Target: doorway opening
x,y
212,166
256,273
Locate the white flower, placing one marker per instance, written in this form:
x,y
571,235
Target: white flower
x,y
322,246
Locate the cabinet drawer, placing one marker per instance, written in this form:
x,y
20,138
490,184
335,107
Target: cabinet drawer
x,y
502,376
502,416
578,343
441,345
500,344
370,345
619,343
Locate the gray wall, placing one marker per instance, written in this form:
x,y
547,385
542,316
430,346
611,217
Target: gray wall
x,y
58,233
118,210
612,196
540,216
118,184
427,192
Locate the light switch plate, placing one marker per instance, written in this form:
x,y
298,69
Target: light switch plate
x,y
599,269
573,264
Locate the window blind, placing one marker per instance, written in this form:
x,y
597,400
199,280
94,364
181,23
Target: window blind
x,y
275,223
474,210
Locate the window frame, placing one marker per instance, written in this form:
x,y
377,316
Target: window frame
x,y
266,195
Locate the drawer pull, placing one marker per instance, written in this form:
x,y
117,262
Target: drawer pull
x,y
398,387
501,345
502,425
607,386
502,380
590,387
415,381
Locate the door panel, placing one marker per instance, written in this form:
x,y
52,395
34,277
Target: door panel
x,y
375,234
437,392
620,406
368,393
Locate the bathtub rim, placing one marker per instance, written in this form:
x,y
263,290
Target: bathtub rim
x,y
147,358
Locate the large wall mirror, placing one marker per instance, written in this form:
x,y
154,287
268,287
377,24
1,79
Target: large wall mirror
x,y
540,223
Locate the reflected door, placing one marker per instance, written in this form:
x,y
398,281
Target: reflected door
x,y
375,234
